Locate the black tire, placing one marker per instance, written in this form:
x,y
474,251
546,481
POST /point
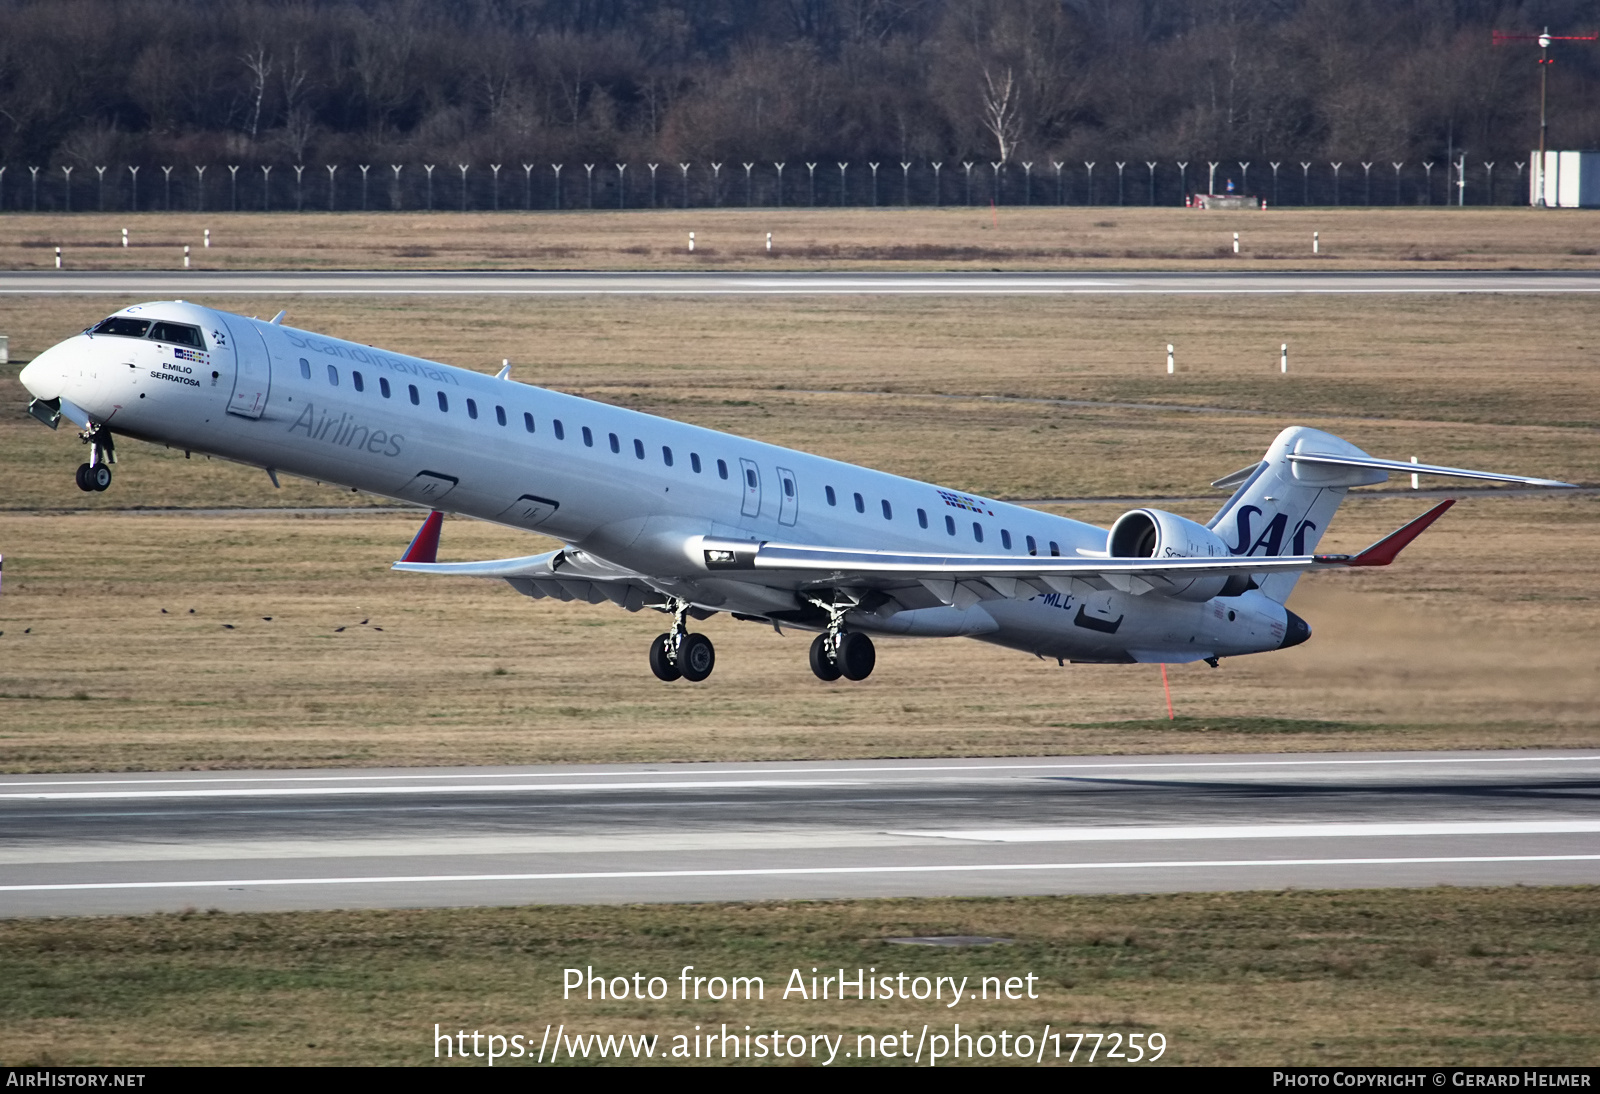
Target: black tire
x,y
660,663
100,476
856,656
83,477
821,663
696,658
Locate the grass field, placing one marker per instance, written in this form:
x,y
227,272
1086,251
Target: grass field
x,y
1419,978
1014,238
1484,635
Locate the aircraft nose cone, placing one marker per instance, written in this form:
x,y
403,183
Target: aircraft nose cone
x,y
1296,631
45,375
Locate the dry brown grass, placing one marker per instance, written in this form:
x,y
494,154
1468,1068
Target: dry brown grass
x,y
1484,635
1415,978
822,239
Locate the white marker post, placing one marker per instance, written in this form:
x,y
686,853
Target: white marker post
x,y
769,242
1169,358
691,243
1283,360
208,237
1316,242
1414,484
124,239
1235,242
186,256
58,258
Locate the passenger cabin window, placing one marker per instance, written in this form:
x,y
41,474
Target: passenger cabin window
x,y
722,468
122,326
416,397
588,437
861,505
1055,550
527,423
179,334
950,524
666,455
383,386
616,445
694,462
444,403
360,384
1005,539
333,376
1033,548
305,369
472,408
561,430
833,499
750,477
788,487
500,414
922,518
638,448
888,514
977,531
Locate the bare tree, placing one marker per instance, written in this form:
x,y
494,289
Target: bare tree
x,y
1002,114
259,65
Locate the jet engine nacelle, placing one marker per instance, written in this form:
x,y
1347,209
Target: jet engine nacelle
x,y
1154,533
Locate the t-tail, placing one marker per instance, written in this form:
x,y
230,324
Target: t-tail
x,y
1283,505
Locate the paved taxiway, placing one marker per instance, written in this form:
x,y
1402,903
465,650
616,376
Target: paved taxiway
x,y
153,284
87,844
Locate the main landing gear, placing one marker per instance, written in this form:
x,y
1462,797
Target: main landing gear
x,y
96,474
836,652
677,653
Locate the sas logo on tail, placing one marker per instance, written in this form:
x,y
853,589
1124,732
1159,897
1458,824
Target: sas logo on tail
x,y
1271,538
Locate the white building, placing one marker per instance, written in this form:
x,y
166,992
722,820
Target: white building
x,y
1571,180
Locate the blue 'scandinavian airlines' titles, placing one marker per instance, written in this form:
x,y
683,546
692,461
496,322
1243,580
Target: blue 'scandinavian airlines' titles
x,y
690,522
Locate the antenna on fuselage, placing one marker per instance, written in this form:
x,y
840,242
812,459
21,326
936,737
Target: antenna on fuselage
x,y
278,319
505,369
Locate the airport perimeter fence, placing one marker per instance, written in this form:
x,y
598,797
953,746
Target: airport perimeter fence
x,y
277,187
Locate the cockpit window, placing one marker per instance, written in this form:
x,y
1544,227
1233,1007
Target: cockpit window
x,y
121,324
180,333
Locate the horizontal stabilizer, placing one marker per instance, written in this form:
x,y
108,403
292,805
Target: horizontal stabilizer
x,y
1419,469
1386,549
528,566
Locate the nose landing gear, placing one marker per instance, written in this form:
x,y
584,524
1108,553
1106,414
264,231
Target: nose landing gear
x,y
96,474
677,653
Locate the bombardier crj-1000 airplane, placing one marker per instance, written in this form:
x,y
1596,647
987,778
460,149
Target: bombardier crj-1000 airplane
x,y
689,521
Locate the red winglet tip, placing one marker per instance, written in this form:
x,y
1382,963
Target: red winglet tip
x,y
425,547
1389,547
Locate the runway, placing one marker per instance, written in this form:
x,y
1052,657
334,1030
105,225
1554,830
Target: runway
x,y
102,844
188,284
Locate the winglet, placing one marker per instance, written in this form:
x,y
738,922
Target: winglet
x,y
277,320
1386,549
425,547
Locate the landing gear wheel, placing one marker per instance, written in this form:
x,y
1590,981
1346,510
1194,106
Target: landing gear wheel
x,y
696,657
99,477
823,665
83,477
856,656
661,658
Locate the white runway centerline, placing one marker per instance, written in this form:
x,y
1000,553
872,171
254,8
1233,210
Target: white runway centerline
x,y
1357,830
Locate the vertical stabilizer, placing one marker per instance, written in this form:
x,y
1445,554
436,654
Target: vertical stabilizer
x,y
1283,507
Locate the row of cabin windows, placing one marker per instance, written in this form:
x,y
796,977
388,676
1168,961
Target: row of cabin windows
x,y
922,521
615,442
359,383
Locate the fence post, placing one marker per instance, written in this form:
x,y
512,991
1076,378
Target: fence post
x,y
428,167
1151,164
1397,167
233,187
1305,184
396,201
266,187
101,171
299,189
365,167
905,185
495,187
968,166
622,187
1366,171
527,185
462,167
200,188
779,168
749,186
166,184
938,192
1275,167
1183,179
133,202
652,167
874,184
556,167
811,181
1090,190
684,167
66,187
333,169
842,186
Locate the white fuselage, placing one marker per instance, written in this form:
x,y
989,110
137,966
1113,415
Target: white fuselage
x,y
626,487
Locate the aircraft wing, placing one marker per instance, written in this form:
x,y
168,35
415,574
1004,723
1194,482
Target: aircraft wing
x,y
566,574
963,578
